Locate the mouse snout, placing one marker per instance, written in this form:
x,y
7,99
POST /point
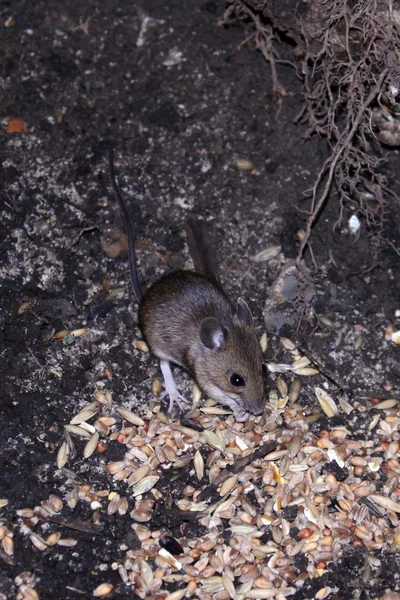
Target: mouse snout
x,y
257,407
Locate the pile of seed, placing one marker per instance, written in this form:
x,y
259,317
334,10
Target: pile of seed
x,y
308,494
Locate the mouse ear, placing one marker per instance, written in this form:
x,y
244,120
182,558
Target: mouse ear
x,y
211,333
243,312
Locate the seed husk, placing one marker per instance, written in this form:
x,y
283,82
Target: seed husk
x,y
306,372
214,410
91,445
266,254
77,430
145,485
62,455
129,416
214,440
327,403
85,414
171,560
115,467
294,390
198,462
287,344
138,475
178,595
301,363
281,385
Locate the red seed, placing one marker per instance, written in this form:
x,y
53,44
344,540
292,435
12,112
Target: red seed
x,y
304,533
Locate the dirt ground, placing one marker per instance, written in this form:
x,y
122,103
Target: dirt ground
x,y
183,100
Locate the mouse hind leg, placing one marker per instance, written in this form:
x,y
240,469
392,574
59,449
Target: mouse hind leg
x,y
175,397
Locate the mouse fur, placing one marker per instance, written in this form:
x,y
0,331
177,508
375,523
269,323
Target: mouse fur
x,y
187,319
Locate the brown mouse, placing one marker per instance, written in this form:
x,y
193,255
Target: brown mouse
x,y
187,319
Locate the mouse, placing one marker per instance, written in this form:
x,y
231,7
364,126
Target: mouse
x,y
187,319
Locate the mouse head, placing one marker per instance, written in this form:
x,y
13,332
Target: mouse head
x,y
229,363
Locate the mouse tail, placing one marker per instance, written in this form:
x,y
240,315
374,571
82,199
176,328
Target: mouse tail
x,y
202,249
136,287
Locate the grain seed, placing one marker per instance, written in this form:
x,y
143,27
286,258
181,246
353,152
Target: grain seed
x,y
214,440
62,455
386,404
77,430
306,372
141,345
301,363
7,543
67,542
102,590
385,502
266,254
85,414
228,585
129,416
294,390
264,342
145,485
287,344
327,403
156,388
91,445
138,475
178,595
198,462
243,164
228,485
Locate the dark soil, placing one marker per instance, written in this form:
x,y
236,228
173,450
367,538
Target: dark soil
x,y
74,74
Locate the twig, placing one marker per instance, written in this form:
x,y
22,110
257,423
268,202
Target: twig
x,y
237,467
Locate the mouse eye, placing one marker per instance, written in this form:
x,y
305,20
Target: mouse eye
x,y
237,380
